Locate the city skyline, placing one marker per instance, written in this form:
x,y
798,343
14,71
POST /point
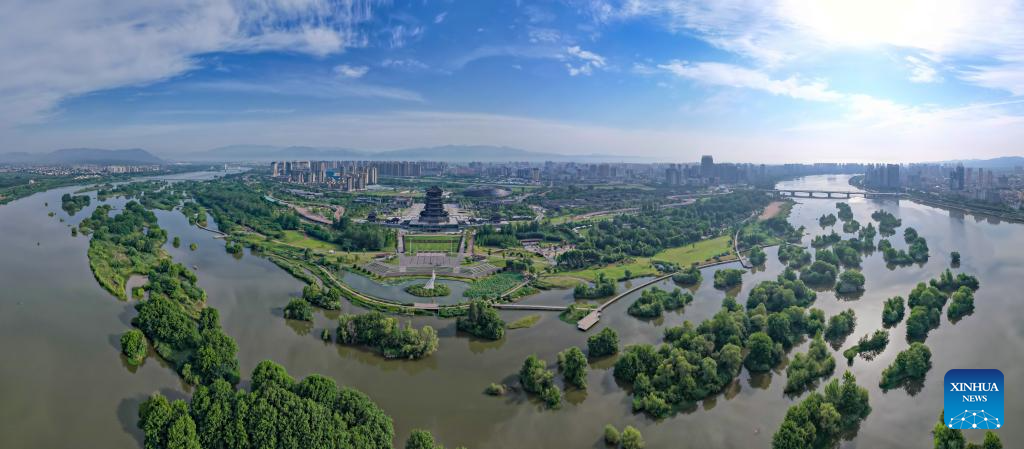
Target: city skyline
x,y
780,81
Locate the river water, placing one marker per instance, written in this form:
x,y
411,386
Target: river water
x,y
64,384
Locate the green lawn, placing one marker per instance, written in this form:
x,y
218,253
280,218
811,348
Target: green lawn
x,y
300,239
699,252
432,243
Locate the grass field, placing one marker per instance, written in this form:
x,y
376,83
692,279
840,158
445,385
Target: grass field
x,y
297,238
432,243
683,256
697,252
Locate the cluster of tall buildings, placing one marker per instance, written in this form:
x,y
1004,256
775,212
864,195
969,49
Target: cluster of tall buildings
x,y
409,169
882,176
342,175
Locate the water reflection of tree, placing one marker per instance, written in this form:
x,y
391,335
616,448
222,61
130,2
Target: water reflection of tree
x,y
369,357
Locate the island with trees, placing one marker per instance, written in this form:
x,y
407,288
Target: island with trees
x,y
603,344
482,320
822,419
653,301
910,365
688,276
537,379
727,278
384,334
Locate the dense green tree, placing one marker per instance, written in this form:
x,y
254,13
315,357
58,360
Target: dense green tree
x,y
781,293
851,226
757,256
947,282
840,326
482,320
954,258
631,438
910,365
421,439
655,229
826,255
653,301
887,222
820,420
611,435
573,365
850,281
386,335
762,352
687,276
277,412
298,309
991,441
961,304
602,288
825,240
845,212
868,345
536,378
325,298
133,346
794,256
892,311
603,343
727,278
805,368
820,273
827,220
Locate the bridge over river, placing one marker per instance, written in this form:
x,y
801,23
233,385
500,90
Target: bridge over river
x,y
826,194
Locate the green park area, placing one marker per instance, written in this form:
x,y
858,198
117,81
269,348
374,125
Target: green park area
x,y
440,243
300,239
683,256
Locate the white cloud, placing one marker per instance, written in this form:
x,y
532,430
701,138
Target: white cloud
x,y
721,74
400,35
1008,76
773,33
544,35
408,64
921,71
586,61
63,48
349,71
440,17
328,88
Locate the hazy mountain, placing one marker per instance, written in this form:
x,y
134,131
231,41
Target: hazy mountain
x,y
1005,162
448,153
83,156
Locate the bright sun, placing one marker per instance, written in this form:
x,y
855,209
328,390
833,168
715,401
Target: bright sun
x,y
925,24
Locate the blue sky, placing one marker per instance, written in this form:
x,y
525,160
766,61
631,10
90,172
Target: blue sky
x,y
757,81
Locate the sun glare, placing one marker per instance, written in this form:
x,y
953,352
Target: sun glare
x,y
929,25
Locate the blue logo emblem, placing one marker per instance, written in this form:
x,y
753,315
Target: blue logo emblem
x,y
973,399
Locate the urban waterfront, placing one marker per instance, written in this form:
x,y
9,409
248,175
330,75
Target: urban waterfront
x,y
61,329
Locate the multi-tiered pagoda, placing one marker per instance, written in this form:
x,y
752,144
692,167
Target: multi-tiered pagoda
x,y
433,207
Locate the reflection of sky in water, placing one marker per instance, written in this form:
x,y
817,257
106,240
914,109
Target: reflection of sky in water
x,y
62,329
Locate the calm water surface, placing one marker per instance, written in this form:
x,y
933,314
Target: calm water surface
x,y
62,369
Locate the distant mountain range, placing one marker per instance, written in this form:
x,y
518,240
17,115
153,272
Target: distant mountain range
x,y
1005,162
448,153
83,156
